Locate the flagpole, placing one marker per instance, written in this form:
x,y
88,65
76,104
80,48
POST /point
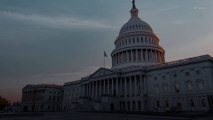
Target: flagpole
x,y
104,61
105,55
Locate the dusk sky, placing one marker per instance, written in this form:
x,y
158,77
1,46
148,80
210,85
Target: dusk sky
x,y
57,41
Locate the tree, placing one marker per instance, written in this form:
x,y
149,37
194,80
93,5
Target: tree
x,y
3,103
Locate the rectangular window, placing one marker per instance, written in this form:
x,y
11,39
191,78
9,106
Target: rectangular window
x,y
203,102
158,103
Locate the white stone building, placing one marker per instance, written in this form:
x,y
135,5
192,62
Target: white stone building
x,y
141,80
42,98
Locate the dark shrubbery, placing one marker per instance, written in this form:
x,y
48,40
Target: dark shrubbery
x,y
3,103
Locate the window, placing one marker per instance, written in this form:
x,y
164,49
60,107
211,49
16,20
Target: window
x,y
197,72
158,103
189,84
200,85
177,87
128,105
192,104
137,40
134,105
163,76
167,103
139,105
203,102
187,74
165,87
156,89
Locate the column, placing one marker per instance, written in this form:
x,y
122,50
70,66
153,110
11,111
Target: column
x,y
112,86
91,91
96,88
116,59
100,88
136,52
159,56
132,56
147,59
135,85
130,86
85,90
125,58
117,90
127,55
125,87
155,55
121,57
141,85
141,55
151,55
108,86
104,90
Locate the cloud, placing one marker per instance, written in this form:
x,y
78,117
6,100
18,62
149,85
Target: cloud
x,y
67,74
36,76
199,8
57,21
180,22
168,9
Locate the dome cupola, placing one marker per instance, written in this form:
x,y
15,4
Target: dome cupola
x,y
137,44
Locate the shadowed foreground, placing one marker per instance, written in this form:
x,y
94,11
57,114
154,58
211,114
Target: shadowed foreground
x,y
94,116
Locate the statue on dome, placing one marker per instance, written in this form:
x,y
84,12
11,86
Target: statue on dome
x,y
133,4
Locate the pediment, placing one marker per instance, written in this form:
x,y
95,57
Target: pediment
x,y
102,72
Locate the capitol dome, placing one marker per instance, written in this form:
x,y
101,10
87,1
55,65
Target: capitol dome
x,y
135,24
137,44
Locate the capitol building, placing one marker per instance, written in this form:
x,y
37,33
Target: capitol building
x,y
140,79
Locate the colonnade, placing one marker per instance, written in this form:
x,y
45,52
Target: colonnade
x,y
135,55
129,86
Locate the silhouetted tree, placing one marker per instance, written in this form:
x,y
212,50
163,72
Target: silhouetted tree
x,y
3,103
